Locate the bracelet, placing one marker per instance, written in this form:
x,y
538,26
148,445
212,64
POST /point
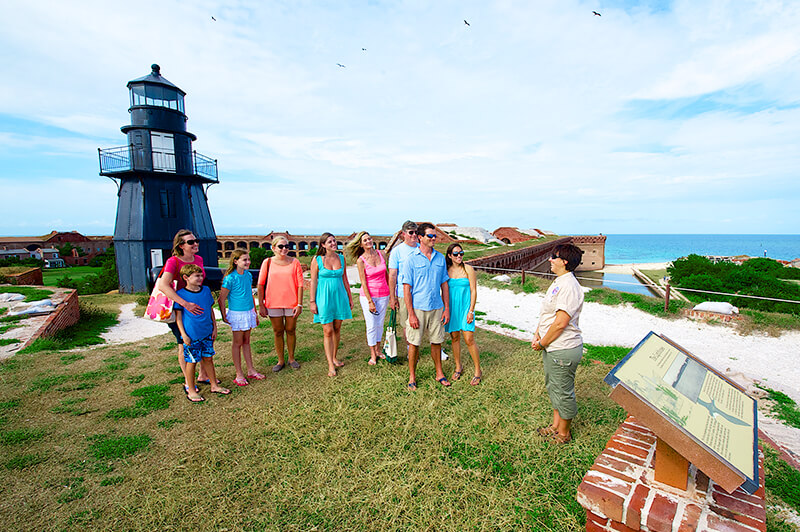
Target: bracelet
x,y
301,306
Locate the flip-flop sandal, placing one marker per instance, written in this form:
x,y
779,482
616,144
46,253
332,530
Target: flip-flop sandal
x,y
294,364
456,375
412,386
242,382
208,381
372,362
195,400
223,391
256,376
476,380
338,364
186,389
443,381
277,367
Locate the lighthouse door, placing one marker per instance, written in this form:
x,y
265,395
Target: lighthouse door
x,y
163,145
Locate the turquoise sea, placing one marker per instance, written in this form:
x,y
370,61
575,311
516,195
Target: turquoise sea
x,y
623,249
626,249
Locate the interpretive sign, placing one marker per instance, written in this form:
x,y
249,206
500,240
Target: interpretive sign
x,y
699,412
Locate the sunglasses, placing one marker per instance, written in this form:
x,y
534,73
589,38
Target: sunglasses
x,y
457,253
554,256
431,236
191,242
282,246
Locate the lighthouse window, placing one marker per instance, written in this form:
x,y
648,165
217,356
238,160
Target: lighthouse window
x,y
163,149
137,95
167,202
156,96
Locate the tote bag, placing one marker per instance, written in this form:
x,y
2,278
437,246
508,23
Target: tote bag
x,y
159,307
390,345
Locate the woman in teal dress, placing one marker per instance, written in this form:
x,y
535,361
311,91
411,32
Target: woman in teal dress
x,y
331,300
463,287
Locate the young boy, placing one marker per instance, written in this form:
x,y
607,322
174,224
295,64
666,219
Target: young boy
x,y
198,331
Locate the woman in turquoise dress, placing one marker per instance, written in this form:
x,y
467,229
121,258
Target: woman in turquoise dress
x,y
331,301
463,287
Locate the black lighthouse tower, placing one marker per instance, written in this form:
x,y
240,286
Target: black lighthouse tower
x,y
161,181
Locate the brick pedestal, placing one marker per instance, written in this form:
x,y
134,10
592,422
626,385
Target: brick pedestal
x,y
620,494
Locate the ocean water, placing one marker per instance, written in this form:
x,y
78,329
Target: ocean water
x,y
623,249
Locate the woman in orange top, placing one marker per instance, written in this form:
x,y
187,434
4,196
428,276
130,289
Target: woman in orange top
x,y
280,298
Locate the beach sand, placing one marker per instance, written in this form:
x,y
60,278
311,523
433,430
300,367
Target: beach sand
x,y
628,268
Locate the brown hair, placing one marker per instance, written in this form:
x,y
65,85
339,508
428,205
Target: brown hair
x,y
571,254
189,269
447,258
322,239
236,255
177,242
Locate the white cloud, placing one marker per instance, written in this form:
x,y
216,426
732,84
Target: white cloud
x,y
434,120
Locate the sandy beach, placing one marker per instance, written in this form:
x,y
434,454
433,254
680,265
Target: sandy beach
x,y
628,268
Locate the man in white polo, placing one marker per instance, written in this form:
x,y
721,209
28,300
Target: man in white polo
x,y
426,296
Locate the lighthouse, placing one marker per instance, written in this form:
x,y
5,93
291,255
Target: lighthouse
x,y
162,183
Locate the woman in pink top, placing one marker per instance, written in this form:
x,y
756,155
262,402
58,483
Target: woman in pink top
x,y
280,297
184,251
374,288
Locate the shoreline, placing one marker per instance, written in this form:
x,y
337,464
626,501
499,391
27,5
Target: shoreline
x,y
628,268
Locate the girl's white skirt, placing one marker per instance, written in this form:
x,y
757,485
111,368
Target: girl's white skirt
x,y
242,320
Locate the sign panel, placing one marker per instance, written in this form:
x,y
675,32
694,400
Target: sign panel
x,y
709,417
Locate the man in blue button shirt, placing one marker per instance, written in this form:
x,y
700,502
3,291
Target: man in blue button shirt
x,y
427,298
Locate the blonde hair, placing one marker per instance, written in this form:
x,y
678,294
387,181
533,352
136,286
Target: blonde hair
x,y
353,249
177,242
276,241
236,255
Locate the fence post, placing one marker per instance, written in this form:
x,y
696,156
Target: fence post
x,y
523,277
666,299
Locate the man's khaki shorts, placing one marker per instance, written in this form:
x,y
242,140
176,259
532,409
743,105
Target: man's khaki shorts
x,y
430,321
402,312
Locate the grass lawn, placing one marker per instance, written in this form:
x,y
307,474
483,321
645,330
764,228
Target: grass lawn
x,y
77,273
104,439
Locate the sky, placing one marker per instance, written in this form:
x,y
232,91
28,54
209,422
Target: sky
x,y
654,117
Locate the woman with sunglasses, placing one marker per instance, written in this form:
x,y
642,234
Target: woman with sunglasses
x,y
374,294
331,300
280,298
559,339
463,288
184,251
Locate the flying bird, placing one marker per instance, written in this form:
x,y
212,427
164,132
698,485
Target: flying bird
x,y
212,18
465,22
341,65
597,14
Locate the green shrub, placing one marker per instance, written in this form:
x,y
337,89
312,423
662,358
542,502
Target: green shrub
x,y
756,277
